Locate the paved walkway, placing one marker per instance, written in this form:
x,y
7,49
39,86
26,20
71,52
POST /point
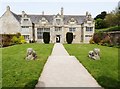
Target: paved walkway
x,y
62,70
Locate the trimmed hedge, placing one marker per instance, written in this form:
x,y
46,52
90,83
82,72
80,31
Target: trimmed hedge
x,y
116,28
69,37
46,37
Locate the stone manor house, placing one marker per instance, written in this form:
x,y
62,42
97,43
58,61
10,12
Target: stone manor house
x,y
33,26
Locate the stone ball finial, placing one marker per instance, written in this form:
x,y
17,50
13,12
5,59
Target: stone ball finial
x,y
8,8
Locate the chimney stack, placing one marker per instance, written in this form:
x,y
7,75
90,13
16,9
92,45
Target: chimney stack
x,y
86,13
61,11
23,13
8,8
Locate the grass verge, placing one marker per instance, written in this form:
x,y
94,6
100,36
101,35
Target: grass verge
x,y
18,72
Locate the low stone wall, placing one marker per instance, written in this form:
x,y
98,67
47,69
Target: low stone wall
x,y
115,37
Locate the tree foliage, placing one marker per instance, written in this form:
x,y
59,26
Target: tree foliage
x,y
100,23
99,20
101,16
113,19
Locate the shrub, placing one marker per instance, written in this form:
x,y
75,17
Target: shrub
x,y
22,40
18,34
69,37
6,39
91,41
46,37
97,37
15,40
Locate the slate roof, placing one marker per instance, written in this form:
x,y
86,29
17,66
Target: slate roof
x,y
35,18
79,18
18,17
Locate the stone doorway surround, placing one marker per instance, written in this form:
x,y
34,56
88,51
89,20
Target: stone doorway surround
x,y
57,38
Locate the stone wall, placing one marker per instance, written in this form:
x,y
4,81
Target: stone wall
x,y
115,37
9,24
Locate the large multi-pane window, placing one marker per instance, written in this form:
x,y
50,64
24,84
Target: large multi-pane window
x,y
25,26
72,29
40,32
26,37
89,28
88,35
58,29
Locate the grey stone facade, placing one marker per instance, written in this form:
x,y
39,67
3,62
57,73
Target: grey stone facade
x,y
33,26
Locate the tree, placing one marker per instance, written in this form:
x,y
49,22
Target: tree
x,y
112,19
101,16
69,37
100,23
46,37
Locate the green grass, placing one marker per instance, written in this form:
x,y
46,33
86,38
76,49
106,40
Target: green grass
x,y
105,70
18,72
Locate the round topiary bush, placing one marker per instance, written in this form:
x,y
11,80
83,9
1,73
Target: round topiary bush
x,y
69,37
46,37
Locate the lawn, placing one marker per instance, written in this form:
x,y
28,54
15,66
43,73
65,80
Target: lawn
x,y
18,72
105,70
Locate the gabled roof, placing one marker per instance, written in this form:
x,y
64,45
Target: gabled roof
x,y
79,18
35,18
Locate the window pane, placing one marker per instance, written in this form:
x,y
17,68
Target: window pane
x,y
25,19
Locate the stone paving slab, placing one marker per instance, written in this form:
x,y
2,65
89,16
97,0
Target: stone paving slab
x,y
65,71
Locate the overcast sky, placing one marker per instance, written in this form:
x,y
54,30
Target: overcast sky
x,y
74,7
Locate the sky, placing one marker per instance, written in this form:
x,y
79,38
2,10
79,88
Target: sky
x,y
52,7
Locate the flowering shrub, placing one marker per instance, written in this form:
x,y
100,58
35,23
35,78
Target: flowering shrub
x,y
21,40
91,41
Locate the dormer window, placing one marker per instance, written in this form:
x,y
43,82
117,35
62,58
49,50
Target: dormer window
x,y
72,21
58,21
43,21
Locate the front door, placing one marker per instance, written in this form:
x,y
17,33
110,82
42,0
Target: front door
x,y
57,38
